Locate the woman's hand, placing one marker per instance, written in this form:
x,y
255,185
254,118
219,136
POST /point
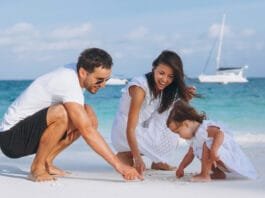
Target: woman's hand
x,y
180,173
128,172
190,92
139,165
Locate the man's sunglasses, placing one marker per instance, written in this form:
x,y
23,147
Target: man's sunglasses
x,y
100,81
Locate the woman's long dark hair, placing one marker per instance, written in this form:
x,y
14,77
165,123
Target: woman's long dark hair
x,y
177,88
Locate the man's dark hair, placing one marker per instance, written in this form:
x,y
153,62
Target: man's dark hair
x,y
91,58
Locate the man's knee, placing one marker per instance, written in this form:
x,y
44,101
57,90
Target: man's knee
x,y
92,116
71,137
57,113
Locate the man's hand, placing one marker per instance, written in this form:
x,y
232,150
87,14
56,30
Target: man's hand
x,y
128,173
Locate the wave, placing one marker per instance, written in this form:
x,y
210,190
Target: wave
x,y
250,138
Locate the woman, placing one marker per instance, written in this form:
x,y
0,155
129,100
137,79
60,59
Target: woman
x,y
140,124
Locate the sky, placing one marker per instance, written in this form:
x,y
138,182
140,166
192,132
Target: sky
x,y
39,36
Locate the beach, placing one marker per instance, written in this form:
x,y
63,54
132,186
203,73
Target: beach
x,y
239,106
91,176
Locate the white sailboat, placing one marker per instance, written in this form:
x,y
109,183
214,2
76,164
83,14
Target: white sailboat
x,y
224,74
117,81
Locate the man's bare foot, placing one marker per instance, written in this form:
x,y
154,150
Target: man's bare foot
x,y
217,174
41,176
162,166
55,171
200,178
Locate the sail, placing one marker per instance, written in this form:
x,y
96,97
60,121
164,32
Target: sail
x,y
224,74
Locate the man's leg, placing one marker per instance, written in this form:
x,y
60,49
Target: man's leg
x,y
57,123
71,136
64,143
206,165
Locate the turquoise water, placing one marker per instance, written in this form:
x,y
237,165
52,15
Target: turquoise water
x,y
239,106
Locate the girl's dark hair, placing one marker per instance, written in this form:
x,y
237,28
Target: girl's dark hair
x,y
182,111
177,88
91,58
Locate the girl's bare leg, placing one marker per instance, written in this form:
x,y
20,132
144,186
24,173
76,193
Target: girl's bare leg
x,y
219,171
206,164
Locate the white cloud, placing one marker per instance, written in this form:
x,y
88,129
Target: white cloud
x,y
25,38
18,34
138,33
187,51
215,29
21,28
72,31
6,41
248,32
118,55
260,46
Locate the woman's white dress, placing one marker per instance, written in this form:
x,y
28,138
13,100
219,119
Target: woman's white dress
x,y
229,152
154,139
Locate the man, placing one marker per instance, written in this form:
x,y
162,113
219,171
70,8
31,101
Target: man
x,y
50,114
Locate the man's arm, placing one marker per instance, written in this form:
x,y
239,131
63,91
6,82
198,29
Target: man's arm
x,y
83,124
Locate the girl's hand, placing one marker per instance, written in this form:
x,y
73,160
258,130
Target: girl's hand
x,y
179,173
139,165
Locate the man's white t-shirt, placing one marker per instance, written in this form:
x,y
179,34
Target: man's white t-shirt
x,y
57,87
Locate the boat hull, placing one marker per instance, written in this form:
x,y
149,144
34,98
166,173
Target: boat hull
x,y
222,78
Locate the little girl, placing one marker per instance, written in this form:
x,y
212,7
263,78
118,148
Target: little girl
x,y
210,142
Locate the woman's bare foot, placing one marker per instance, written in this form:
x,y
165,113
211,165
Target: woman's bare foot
x,y
200,178
40,176
217,174
162,166
55,171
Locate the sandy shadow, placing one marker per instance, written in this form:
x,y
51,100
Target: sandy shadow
x,y
94,179
13,171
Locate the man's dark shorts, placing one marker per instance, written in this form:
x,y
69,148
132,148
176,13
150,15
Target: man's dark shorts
x,y
23,138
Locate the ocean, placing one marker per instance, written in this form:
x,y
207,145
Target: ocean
x,y
240,107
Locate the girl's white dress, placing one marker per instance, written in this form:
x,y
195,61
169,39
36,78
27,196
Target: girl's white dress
x,y
154,139
229,152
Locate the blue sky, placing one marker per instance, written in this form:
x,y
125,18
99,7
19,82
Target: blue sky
x,y
38,36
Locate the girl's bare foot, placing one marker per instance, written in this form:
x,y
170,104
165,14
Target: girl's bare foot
x,y
217,174
200,178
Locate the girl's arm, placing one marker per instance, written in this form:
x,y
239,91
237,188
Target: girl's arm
x,y
185,162
137,97
218,138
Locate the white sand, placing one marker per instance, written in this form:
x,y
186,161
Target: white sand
x,y
92,177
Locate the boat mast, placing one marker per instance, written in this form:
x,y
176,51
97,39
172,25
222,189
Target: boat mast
x,y
218,58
